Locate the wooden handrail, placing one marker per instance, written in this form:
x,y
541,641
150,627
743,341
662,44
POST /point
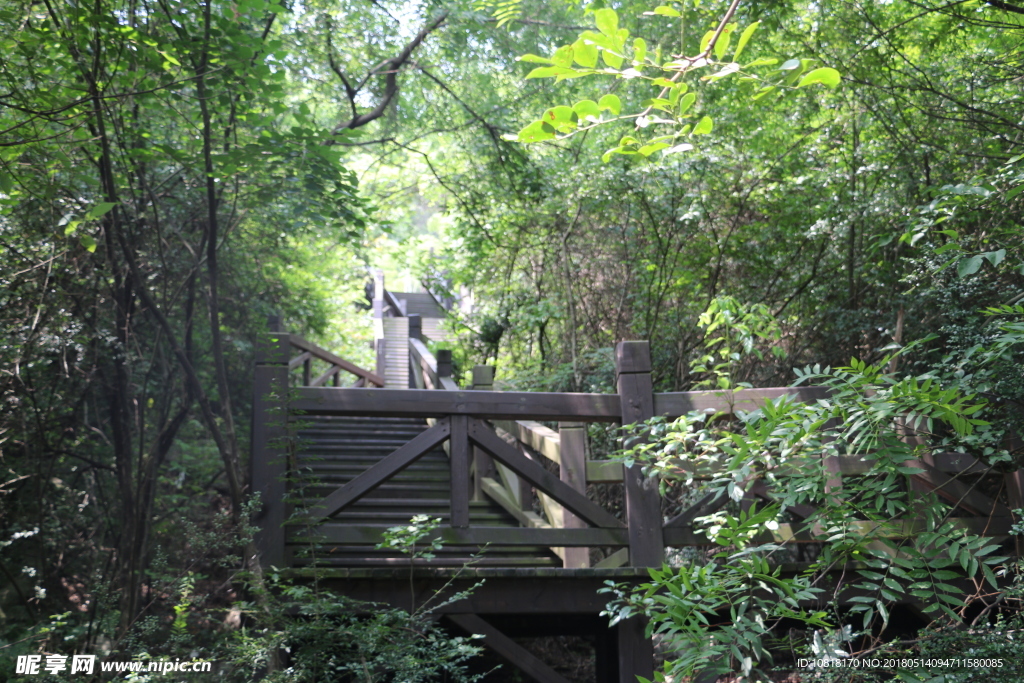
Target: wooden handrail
x,y
313,351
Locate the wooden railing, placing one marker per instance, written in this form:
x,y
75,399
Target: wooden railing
x,y
336,365
498,446
277,373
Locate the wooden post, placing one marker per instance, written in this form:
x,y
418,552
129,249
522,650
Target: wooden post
x,y
268,463
415,326
643,505
459,462
483,465
444,363
573,471
382,365
378,320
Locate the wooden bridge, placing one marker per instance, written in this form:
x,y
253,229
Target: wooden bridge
x,y
337,465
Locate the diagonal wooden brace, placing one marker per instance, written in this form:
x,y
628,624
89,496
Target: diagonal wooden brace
x,y
576,502
380,472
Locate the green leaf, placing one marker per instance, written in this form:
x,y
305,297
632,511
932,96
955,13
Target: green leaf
x,y
826,76
767,90
790,64
587,108
563,56
705,41
535,59
549,71
611,58
606,157
761,61
536,132
744,39
703,127
611,103
968,266
639,50
995,257
169,58
648,150
607,22
89,243
99,210
722,44
687,102
1013,192
666,11
585,53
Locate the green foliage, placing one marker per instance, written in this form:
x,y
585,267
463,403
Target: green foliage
x,y
738,328
328,638
405,538
668,119
716,616
895,541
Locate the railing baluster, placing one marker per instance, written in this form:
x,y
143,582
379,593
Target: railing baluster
x,y
483,466
573,471
459,462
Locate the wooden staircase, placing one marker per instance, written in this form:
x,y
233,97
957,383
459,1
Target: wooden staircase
x,y
331,451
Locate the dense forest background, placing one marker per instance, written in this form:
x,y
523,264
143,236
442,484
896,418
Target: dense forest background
x,y
171,174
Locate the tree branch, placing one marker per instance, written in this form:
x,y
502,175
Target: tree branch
x,y
391,68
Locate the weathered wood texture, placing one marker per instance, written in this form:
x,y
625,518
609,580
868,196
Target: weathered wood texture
x,y
507,405
573,472
459,457
512,652
379,472
643,505
541,478
269,460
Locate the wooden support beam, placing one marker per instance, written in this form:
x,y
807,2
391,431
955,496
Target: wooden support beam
x,y
334,372
482,435
643,504
268,463
342,533
504,498
380,472
573,472
514,653
508,405
705,506
299,360
483,466
955,491
680,403
636,651
459,453
604,471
